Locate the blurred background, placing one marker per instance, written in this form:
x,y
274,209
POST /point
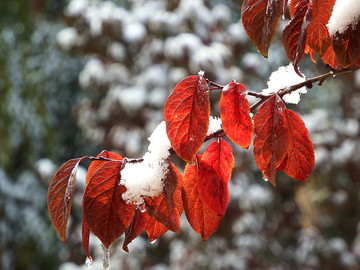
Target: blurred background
x,y
80,76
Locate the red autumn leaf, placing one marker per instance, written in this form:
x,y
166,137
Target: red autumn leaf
x,y
106,213
137,225
202,219
187,112
235,114
347,45
155,229
311,52
97,163
271,141
167,207
300,155
318,37
61,194
294,34
85,233
215,168
260,19
330,58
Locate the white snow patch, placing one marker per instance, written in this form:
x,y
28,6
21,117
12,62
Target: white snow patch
x,y
145,179
283,78
214,125
346,13
134,32
67,38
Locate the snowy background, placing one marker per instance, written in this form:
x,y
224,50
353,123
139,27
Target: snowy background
x,y
80,76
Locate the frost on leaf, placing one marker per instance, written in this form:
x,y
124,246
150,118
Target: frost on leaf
x,y
260,19
106,213
61,194
187,112
235,114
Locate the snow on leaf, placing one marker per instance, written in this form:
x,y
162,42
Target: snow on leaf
x,y
235,114
300,155
271,137
61,194
260,19
294,34
166,208
318,37
202,219
345,15
106,213
187,112
215,170
347,44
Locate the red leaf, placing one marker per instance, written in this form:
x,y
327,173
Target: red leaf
x,y
347,45
260,19
137,225
215,170
85,233
202,219
155,229
300,155
106,213
166,207
271,141
318,37
294,34
282,142
96,164
330,58
235,114
61,194
310,51
187,112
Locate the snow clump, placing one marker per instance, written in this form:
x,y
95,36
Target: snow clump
x,y
281,79
145,179
346,13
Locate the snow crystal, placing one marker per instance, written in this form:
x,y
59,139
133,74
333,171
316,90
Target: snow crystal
x,y
283,78
67,38
214,125
145,179
346,13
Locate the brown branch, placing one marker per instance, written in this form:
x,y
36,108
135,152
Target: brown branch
x,y
321,78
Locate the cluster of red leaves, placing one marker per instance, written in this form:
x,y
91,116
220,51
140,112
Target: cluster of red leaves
x,y
281,140
281,144
306,32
